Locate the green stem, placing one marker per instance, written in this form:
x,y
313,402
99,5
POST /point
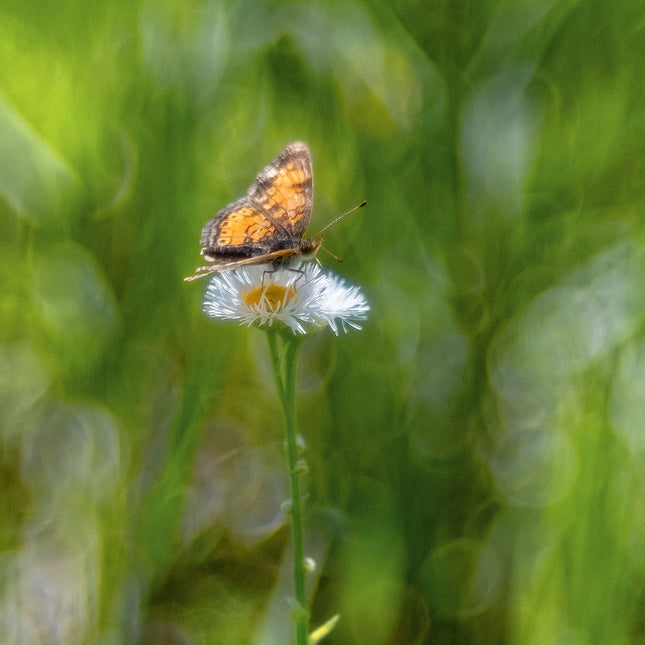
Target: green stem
x,y
272,337
286,386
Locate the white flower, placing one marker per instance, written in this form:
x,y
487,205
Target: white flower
x,y
297,295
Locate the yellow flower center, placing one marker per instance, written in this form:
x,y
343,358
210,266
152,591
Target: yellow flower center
x,y
273,296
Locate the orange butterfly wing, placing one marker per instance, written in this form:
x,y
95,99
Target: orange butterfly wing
x,y
271,217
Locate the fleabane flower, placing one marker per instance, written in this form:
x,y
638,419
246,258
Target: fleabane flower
x,y
298,295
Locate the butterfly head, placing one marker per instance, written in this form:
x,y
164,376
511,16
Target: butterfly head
x,y
309,246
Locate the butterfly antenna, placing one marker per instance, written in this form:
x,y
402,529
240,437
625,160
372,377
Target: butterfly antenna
x,y
351,210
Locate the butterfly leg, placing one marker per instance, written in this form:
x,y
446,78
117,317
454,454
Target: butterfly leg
x,y
300,276
267,272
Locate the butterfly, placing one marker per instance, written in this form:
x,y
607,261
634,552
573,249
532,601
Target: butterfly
x,y
267,225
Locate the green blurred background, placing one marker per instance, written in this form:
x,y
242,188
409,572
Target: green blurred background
x,y
476,454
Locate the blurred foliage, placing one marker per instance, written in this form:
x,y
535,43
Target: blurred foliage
x,y
475,454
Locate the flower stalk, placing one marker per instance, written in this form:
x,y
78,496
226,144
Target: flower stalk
x,y
284,373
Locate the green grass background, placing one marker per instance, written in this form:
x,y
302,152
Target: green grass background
x,y
475,454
